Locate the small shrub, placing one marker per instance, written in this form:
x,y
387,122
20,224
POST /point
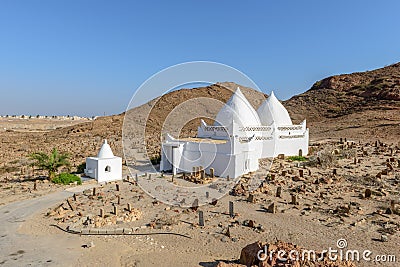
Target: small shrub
x,y
8,169
268,178
155,159
348,153
66,178
324,158
297,158
81,168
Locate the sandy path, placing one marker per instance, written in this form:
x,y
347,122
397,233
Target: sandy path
x,y
23,247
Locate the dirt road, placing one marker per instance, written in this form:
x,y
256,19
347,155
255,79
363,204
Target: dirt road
x,y
21,249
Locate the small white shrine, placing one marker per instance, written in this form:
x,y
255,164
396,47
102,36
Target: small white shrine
x,y
105,167
239,137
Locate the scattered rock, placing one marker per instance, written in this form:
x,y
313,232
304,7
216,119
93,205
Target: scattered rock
x,y
90,245
384,238
368,193
248,255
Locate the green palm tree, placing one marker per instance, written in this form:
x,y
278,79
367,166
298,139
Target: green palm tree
x,y
51,162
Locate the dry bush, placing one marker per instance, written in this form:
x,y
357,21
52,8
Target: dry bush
x,y
324,158
348,153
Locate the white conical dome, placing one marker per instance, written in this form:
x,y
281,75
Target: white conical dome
x,y
237,110
105,151
271,110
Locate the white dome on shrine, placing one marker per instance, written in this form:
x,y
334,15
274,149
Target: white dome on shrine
x,y
272,111
238,110
105,151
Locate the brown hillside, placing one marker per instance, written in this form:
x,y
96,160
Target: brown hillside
x,y
362,104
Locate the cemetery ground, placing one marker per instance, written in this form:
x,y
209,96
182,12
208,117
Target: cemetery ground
x,y
345,189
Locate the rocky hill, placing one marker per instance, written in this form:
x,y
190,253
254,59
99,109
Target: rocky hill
x,y
339,95
362,104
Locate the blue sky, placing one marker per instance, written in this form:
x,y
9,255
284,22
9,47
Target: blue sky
x,y
87,57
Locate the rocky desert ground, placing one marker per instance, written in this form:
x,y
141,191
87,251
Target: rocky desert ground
x,y
346,188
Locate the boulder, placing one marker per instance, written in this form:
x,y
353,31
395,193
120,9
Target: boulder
x,y
248,256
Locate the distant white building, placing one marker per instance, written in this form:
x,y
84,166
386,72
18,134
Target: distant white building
x,y
105,167
239,137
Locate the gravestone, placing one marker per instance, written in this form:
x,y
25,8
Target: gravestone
x,y
294,200
367,193
251,198
279,191
231,209
201,218
271,208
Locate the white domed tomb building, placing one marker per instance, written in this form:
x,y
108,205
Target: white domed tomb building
x,y
105,167
239,137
